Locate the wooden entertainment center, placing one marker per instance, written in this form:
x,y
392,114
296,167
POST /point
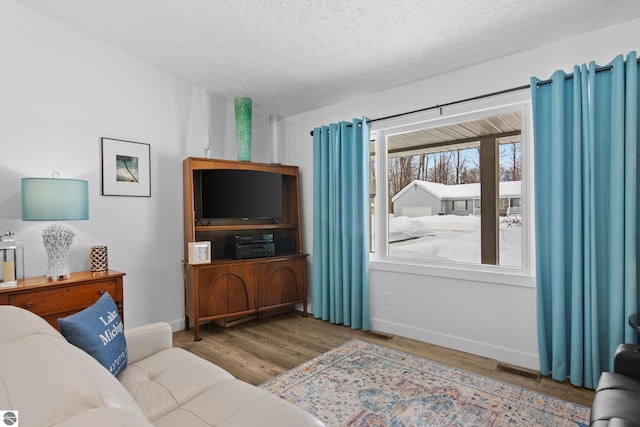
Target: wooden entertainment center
x,y
228,290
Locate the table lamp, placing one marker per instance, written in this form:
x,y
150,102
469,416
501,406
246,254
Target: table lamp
x,y
55,199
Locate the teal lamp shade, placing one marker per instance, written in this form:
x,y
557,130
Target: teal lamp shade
x,y
54,199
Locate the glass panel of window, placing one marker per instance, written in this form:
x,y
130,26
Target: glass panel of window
x,y
434,191
510,191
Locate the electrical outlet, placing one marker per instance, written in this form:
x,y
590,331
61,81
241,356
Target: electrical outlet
x,y
387,298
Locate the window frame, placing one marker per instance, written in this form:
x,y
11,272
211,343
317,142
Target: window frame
x,y
485,107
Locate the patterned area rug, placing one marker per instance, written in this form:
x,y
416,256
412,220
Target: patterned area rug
x,y
363,384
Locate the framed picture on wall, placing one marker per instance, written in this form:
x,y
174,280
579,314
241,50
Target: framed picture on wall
x,y
126,169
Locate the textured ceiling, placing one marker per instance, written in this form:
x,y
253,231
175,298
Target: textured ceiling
x,y
291,56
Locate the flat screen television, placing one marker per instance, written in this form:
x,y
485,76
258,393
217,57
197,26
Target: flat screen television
x,y
236,193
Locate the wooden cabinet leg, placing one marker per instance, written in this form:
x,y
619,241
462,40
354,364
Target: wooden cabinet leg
x,y
196,331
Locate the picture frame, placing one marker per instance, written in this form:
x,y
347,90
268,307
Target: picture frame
x,y
199,253
126,168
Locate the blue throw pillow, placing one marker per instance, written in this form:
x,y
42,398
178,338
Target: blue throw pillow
x,y
98,330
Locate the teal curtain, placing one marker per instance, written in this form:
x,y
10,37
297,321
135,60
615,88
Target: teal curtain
x,y
341,223
586,216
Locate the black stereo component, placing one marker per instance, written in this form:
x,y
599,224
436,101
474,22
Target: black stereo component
x,y
250,246
244,239
252,251
285,245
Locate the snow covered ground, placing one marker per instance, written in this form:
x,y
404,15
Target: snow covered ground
x,y
450,238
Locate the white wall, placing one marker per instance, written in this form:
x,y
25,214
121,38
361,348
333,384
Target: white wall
x,y
484,313
61,92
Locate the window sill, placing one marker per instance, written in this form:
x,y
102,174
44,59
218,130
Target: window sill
x,y
483,274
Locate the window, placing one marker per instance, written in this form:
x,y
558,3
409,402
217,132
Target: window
x,y
453,190
459,205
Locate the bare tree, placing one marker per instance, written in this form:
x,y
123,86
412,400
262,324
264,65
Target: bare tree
x,y
516,161
459,162
423,165
470,175
400,174
511,162
442,170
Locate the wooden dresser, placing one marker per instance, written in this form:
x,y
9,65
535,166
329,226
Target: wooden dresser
x,y
54,299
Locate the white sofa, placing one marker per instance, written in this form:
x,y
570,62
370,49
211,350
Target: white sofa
x,y
53,383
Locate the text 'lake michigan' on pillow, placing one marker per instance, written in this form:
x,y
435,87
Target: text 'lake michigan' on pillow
x,y
98,330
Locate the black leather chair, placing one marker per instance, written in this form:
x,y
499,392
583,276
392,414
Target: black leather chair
x,y
617,399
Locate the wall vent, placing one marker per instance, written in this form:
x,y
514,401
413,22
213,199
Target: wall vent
x,y
380,335
521,372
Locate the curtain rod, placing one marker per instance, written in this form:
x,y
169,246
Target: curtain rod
x,y
440,106
487,95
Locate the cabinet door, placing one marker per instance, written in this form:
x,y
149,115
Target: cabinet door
x,y
281,282
226,290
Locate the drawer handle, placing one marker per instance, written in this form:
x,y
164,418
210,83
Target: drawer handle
x,y
103,291
29,304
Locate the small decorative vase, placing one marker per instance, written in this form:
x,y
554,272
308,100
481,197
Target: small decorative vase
x,y
98,258
243,128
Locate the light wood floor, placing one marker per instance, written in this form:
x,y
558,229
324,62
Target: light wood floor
x,y
259,350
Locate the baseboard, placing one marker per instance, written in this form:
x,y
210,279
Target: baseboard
x,y
177,325
501,354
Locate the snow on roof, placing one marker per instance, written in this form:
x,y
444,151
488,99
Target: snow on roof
x,y
510,188
461,191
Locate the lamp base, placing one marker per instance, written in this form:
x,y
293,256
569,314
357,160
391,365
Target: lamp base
x,y
56,278
57,239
